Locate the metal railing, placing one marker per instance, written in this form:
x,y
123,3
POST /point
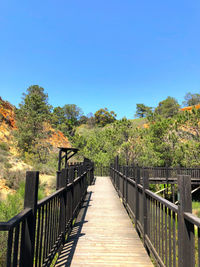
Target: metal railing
x,y
156,174
37,233
170,233
101,170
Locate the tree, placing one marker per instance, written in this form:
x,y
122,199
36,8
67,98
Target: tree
x,y
91,120
66,118
142,110
58,117
191,99
33,112
83,119
72,113
168,107
103,117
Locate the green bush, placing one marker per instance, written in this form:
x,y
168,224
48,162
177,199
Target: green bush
x,y
14,178
7,165
4,146
2,158
196,208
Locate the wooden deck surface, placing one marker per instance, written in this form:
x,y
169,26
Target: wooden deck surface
x,y
103,234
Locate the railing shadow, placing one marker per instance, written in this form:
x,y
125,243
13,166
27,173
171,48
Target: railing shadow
x,y
66,255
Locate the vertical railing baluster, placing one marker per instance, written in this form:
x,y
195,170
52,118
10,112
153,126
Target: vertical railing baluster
x,y
198,246
41,238
37,237
159,235
170,237
9,247
145,210
46,227
156,230
137,181
174,238
166,238
16,245
162,224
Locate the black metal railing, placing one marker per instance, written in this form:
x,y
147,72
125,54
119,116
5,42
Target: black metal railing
x,y
171,233
101,170
37,233
156,174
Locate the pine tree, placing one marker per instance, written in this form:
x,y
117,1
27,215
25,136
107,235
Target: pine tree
x,y
33,112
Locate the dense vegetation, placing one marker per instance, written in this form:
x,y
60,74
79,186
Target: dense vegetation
x,y
164,136
161,136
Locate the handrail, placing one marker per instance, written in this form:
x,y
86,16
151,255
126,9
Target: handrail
x,y
6,226
192,218
167,230
49,198
37,233
165,202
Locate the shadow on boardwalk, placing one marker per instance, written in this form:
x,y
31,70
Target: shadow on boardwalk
x,y
66,256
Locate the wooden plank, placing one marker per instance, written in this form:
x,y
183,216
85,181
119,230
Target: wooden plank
x,y
103,234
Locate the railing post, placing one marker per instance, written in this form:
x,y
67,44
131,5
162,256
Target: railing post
x,y
185,235
116,174
57,179
126,185
145,206
92,172
123,181
62,222
137,181
30,201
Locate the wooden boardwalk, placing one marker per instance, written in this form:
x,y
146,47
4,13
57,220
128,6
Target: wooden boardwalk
x,y
103,234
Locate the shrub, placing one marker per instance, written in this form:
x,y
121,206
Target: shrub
x,y
14,178
4,146
7,165
2,158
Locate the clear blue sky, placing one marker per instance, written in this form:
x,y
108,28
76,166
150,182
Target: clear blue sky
x,y
100,53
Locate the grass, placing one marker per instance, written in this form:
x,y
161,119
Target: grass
x,y
4,146
196,208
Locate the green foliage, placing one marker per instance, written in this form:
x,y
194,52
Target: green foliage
x,y
66,118
4,146
34,111
168,107
13,204
50,167
142,110
167,141
2,158
7,165
103,117
102,144
191,99
14,178
196,208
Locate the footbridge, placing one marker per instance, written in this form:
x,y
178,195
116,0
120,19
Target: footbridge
x,y
112,220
